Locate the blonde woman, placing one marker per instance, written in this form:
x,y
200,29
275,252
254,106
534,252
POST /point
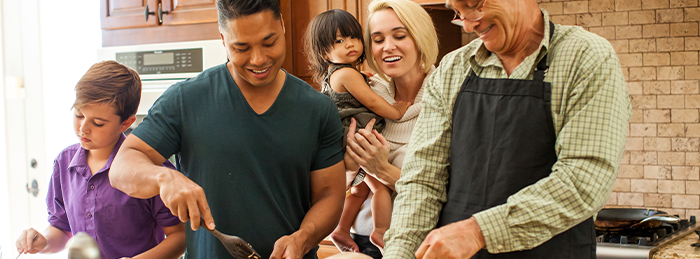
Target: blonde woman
x,y
401,46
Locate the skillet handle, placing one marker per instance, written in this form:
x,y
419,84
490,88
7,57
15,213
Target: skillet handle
x,y
663,218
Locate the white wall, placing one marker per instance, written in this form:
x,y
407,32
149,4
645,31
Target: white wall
x,y
71,36
60,44
4,195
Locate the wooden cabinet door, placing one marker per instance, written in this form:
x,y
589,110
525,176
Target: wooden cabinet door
x,y
181,12
302,12
122,14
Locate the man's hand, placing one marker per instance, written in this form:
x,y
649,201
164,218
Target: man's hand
x,y
30,241
184,198
288,247
461,239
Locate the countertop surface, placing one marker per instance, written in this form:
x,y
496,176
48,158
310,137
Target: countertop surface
x,y
679,248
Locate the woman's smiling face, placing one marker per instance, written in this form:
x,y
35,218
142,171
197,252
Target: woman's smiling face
x,y
392,46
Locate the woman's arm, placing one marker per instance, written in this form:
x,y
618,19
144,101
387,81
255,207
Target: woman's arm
x,y
172,247
353,82
371,151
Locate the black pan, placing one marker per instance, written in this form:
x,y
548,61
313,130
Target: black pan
x,y
621,219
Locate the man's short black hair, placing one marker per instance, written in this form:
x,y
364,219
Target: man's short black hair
x,y
234,9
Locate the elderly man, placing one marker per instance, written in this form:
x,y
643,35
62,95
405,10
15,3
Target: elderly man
x,y
518,143
260,150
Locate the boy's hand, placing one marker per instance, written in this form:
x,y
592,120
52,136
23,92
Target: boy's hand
x,y
30,241
402,106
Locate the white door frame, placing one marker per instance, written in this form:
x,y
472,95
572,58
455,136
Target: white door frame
x,y
50,45
23,119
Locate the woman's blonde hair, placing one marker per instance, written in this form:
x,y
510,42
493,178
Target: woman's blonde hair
x,y
420,27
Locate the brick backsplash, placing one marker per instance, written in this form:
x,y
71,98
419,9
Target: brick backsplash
x,y
658,44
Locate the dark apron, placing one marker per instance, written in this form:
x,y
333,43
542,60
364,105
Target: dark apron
x,y
503,141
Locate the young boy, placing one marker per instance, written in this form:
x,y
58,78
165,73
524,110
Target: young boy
x,y
80,197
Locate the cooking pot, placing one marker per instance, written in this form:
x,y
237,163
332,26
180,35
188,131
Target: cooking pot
x,y
621,219
82,246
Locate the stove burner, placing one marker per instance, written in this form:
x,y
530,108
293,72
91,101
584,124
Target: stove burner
x,y
647,237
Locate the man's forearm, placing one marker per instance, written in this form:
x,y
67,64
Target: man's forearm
x,y
327,198
135,174
321,219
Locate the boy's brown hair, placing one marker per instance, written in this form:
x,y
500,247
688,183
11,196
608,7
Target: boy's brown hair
x,y
112,83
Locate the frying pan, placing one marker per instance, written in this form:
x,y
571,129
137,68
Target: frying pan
x,y
621,219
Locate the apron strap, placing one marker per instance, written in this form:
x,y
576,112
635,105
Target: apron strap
x,y
542,67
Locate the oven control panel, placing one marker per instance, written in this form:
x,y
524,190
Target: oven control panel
x,y
163,61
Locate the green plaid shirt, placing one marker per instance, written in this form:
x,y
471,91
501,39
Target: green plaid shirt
x,y
590,109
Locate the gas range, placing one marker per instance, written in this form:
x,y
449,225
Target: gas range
x,y
641,244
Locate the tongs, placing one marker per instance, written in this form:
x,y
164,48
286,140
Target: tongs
x,y
236,246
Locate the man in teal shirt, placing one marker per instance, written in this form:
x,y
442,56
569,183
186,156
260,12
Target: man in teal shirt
x,y
259,150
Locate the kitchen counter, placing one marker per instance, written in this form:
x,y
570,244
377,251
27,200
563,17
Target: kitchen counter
x,y
680,248
326,248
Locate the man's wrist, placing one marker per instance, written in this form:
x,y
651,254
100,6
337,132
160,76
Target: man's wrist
x,y
303,235
163,176
473,227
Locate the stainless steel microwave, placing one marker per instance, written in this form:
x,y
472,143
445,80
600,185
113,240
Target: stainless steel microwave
x,y
161,65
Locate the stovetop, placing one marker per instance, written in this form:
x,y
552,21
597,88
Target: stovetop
x,y
639,244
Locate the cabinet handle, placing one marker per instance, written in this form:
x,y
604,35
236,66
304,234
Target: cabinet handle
x,y
149,13
161,13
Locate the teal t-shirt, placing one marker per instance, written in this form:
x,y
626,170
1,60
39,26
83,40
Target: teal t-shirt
x,y
254,168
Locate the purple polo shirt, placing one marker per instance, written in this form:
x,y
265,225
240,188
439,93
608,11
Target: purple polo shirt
x,y
81,202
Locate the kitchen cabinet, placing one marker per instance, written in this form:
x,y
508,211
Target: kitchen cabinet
x,y
124,22
183,12
121,14
115,14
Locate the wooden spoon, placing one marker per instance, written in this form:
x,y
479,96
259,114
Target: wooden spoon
x,y
236,246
